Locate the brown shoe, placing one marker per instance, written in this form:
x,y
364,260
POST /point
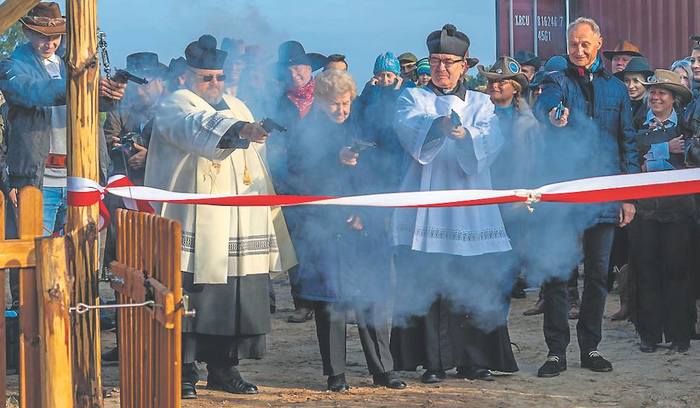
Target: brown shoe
x,y
301,315
536,310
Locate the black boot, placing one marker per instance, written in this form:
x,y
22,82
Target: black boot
x,y
189,380
337,383
389,380
229,379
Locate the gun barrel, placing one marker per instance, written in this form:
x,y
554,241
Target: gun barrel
x,y
269,125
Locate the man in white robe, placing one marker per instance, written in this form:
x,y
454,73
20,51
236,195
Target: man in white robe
x,y
445,259
201,143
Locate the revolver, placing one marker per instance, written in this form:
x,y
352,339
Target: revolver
x,y
269,125
123,76
359,145
559,110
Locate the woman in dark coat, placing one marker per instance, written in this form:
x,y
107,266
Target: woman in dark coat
x,y
340,249
660,235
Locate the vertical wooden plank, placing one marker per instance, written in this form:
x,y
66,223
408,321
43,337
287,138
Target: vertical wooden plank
x,y
53,293
175,232
29,227
3,356
13,10
82,132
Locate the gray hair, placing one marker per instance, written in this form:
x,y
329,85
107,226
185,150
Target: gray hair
x,y
685,65
584,20
334,82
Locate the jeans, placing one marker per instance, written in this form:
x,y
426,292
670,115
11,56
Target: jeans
x,y
597,243
55,206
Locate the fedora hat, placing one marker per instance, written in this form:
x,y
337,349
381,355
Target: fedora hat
x,y
623,48
637,65
45,19
670,80
293,53
505,68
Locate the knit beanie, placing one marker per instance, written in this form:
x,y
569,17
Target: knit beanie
x,y
387,62
423,67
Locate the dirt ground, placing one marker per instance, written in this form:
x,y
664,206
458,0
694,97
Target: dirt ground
x,y
291,373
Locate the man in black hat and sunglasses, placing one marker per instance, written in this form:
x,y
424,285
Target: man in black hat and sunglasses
x,y
204,141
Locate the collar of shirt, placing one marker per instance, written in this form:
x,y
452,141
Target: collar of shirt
x,y
673,119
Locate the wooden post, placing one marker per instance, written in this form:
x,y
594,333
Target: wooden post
x,y
30,226
53,293
13,10
3,334
81,225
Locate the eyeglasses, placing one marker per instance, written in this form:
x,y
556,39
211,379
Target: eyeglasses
x,y
448,63
209,78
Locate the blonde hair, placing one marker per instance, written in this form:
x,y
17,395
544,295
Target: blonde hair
x,y
334,82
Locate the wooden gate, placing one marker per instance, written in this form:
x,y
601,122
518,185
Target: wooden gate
x,y
147,271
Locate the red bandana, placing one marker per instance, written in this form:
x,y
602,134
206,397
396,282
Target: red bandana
x,y
302,97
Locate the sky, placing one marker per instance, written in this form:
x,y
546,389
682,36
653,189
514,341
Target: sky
x,y
360,29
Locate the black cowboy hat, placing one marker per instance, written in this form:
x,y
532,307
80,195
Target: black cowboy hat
x,y
528,58
145,63
293,53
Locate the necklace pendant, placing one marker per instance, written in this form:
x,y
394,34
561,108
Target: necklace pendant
x,y
247,180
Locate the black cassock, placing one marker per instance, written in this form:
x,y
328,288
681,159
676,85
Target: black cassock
x,y
451,331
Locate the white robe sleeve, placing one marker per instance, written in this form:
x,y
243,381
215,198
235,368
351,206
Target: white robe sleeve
x,y
191,129
412,123
486,141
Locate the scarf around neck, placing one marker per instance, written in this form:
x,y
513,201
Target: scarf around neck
x,y
302,97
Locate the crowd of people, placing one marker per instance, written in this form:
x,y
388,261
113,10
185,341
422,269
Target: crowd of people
x,y
427,287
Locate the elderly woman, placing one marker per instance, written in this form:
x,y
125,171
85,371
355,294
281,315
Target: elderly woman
x,y
343,261
660,235
685,69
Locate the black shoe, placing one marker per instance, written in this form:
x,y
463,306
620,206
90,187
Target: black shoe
x,y
229,380
595,362
433,376
535,310
475,373
111,357
552,367
680,347
337,383
645,347
389,380
301,315
188,391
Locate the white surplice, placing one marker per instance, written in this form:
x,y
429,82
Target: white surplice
x,y
448,164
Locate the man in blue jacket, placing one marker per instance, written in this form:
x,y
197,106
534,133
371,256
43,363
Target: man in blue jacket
x,y
33,80
592,136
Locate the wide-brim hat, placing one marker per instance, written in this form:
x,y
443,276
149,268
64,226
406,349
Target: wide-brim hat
x,y
292,53
203,54
637,65
505,68
45,19
670,80
623,48
145,63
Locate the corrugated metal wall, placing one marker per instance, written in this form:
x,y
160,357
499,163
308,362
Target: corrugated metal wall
x,y
659,27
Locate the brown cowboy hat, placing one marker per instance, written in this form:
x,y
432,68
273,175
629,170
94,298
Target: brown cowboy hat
x,y
45,19
671,81
623,48
505,68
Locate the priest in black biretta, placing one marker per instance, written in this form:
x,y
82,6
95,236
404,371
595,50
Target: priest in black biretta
x,y
446,266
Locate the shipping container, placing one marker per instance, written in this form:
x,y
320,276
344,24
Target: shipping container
x,y
661,28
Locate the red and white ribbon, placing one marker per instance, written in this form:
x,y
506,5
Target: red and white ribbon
x,y
83,192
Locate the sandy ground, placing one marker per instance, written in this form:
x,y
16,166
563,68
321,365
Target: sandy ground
x,y
291,373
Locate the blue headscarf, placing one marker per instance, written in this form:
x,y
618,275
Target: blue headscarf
x,y
387,62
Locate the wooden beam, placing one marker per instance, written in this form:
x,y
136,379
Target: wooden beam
x,y
30,226
53,292
17,253
13,10
81,228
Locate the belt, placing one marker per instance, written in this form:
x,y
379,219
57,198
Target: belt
x,y
56,161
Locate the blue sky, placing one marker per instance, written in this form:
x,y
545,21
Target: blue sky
x,y
360,29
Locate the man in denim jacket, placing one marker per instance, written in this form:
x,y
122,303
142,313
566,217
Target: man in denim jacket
x,y
592,136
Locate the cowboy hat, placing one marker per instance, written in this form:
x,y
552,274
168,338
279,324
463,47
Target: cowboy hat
x,y
293,53
671,81
623,48
637,65
45,19
505,68
527,58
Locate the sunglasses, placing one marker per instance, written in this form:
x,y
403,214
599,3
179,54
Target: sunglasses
x,y
209,78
